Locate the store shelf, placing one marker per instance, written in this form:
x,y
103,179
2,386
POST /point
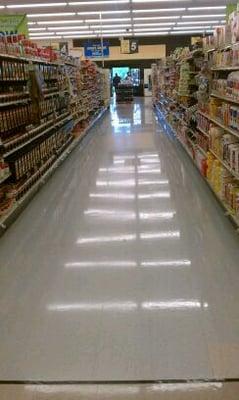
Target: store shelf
x,y
33,138
225,165
225,68
14,103
30,59
229,212
202,150
9,218
226,98
226,128
5,177
202,131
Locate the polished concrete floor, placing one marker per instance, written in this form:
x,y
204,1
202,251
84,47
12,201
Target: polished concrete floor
x,y
123,267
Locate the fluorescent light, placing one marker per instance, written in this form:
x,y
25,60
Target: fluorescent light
x,y
196,22
107,239
166,28
159,10
79,36
146,30
60,14
45,37
89,3
207,8
31,23
192,27
2,7
154,18
166,263
36,29
155,1
174,305
103,12
36,5
160,235
43,34
66,28
101,264
110,26
104,306
155,25
54,22
189,32
203,16
73,32
106,20
114,31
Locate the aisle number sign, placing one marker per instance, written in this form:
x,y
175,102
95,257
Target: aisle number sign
x,y
129,46
13,25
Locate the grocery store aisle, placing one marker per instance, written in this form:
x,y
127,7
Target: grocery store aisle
x,y
123,267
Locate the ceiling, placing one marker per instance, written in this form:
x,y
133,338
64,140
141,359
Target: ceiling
x,y
117,18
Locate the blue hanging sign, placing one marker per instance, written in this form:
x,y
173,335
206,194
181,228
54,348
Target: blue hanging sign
x,y
92,49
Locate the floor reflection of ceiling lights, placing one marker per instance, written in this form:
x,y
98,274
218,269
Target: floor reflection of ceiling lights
x,y
128,237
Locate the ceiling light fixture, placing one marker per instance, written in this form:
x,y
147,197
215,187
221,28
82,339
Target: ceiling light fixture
x,y
74,32
191,28
42,34
54,22
60,14
203,16
36,29
97,20
45,37
196,22
89,3
155,24
159,10
207,8
155,18
66,28
103,12
37,5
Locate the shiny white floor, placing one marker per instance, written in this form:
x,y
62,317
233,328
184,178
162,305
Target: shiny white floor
x,y
123,267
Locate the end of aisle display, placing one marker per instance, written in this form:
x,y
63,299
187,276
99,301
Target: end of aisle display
x,y
197,93
47,105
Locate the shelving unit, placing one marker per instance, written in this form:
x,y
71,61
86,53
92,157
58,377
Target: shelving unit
x,y
34,142
195,139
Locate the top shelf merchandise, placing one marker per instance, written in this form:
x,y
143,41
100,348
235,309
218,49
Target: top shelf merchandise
x,y
45,104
